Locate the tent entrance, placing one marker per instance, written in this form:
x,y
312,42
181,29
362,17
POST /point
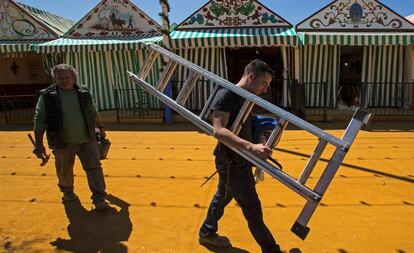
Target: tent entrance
x,y
350,75
237,58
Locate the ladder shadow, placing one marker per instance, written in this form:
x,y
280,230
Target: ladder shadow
x,y
352,166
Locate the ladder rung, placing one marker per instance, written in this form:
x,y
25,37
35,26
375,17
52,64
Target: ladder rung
x,y
312,161
187,88
146,67
276,133
242,116
166,75
205,113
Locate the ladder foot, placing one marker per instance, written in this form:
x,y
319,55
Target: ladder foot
x,y
300,230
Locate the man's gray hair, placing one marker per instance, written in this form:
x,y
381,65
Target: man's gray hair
x,y
66,68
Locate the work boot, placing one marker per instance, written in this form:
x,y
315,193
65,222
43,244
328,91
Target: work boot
x,y
215,240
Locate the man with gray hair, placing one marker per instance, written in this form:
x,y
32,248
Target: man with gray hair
x,y
66,112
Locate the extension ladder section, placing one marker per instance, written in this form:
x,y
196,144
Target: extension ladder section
x,y
313,196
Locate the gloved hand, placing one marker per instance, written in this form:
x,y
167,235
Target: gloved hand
x,y
258,175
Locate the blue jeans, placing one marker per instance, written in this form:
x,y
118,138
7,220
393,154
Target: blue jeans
x,y
238,183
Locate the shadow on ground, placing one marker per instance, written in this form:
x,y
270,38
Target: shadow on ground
x,y
92,231
224,250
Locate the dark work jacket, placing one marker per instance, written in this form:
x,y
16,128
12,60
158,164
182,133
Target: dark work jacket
x,y
54,125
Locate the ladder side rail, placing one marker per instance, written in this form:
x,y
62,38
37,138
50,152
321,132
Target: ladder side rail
x,y
255,99
300,226
264,165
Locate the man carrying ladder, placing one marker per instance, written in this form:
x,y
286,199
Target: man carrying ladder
x,y
236,179
231,182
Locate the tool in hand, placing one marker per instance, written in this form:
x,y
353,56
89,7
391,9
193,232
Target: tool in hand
x,y
45,157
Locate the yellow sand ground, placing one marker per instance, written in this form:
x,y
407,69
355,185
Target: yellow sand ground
x,y
158,170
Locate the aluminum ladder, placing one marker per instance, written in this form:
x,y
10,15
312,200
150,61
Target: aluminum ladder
x,y
313,196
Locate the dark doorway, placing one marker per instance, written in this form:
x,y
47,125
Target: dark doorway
x,y
238,58
350,75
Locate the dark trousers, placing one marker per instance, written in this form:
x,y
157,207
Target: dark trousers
x,y
238,183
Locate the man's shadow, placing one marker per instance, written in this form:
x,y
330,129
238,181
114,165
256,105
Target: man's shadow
x,y
224,250
93,231
238,250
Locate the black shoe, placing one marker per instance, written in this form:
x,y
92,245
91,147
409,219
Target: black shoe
x,y
216,241
69,197
101,205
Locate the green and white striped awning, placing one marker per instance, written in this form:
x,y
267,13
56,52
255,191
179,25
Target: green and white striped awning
x,y
243,37
80,45
356,39
57,24
18,46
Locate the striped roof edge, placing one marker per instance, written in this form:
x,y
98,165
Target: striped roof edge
x,y
356,39
300,26
58,24
80,45
242,37
14,46
87,15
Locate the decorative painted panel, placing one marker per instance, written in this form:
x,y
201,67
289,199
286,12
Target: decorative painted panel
x,y
114,18
356,15
16,24
234,14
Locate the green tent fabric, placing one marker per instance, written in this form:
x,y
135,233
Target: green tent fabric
x,y
383,75
319,65
212,59
103,72
79,45
356,39
243,37
288,73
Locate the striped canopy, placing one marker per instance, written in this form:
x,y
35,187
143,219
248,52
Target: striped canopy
x,y
17,46
57,24
356,39
81,45
244,37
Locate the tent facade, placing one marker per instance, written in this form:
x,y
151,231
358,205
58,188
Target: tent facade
x,y
384,37
205,37
105,44
22,29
